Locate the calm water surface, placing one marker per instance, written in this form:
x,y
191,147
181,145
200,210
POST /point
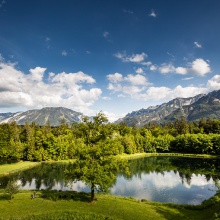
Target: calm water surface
x,y
164,179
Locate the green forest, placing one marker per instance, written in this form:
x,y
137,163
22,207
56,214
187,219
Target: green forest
x,y
31,142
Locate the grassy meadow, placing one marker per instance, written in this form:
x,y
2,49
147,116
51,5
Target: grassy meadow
x,y
58,205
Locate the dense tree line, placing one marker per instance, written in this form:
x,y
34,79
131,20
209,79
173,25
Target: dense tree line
x,y
42,143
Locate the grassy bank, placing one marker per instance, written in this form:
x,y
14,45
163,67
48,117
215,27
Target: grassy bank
x,y
54,206
15,167
6,169
139,155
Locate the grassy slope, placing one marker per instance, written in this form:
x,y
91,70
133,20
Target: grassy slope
x,y
14,167
106,205
138,155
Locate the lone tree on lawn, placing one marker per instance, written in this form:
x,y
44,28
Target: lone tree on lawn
x,y
95,164
11,188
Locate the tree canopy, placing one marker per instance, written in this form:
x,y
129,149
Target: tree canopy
x,y
95,162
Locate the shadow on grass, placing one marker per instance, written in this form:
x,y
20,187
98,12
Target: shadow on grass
x,y
4,197
65,195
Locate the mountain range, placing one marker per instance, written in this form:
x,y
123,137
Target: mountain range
x,y
192,109
40,116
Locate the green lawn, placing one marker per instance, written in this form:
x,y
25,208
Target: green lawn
x,y
15,167
106,207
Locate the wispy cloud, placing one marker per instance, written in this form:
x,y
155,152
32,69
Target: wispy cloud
x,y
188,78
153,14
128,11
106,34
88,52
197,45
135,58
47,41
64,53
2,3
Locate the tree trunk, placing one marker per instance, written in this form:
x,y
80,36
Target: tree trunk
x,y
92,192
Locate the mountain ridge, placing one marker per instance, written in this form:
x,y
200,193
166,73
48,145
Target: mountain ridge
x,y
157,113
41,116
191,109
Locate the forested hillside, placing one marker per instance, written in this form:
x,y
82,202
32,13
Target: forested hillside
x,y
32,142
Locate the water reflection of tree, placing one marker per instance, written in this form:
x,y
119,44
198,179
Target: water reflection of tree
x,y
48,175
185,167
45,175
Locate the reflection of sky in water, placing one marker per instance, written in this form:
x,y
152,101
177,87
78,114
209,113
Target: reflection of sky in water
x,y
167,187
78,186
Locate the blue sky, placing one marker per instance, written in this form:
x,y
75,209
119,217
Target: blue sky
x,y
117,56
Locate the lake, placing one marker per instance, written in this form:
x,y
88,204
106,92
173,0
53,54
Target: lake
x,y
177,180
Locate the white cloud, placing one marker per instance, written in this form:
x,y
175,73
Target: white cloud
x,y
135,58
166,94
137,86
139,71
167,68
153,68
153,14
64,53
197,45
36,90
115,87
146,63
112,116
114,78
214,83
131,85
181,70
136,79
72,78
37,73
200,67
88,52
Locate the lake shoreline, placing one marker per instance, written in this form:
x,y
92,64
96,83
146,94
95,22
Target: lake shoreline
x,y
7,169
139,155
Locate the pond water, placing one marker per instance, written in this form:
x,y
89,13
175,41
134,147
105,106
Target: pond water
x,y
165,179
